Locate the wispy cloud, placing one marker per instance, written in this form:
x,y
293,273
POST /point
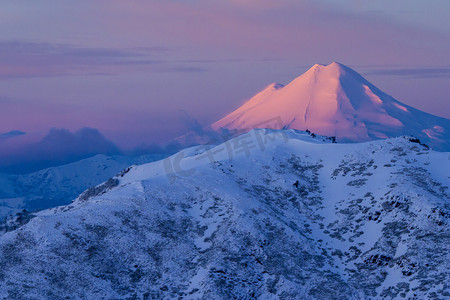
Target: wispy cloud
x,y
414,72
40,59
300,29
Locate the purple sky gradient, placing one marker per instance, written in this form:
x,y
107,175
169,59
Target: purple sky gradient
x,y
132,69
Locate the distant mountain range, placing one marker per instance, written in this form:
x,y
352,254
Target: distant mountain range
x,y
60,185
331,100
274,213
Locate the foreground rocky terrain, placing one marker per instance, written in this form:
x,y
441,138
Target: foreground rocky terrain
x,y
270,214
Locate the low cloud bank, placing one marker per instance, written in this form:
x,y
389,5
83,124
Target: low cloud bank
x,y
59,146
22,155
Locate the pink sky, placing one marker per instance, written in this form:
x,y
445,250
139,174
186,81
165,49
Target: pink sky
x,y
130,69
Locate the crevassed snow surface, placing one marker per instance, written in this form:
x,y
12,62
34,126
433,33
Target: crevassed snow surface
x,y
270,214
334,100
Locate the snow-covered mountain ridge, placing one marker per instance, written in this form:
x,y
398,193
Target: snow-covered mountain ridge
x,y
335,100
270,214
57,186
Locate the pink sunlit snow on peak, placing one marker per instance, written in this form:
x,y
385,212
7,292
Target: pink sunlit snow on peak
x,y
332,100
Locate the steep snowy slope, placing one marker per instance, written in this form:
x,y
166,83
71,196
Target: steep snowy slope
x,y
59,185
334,100
270,214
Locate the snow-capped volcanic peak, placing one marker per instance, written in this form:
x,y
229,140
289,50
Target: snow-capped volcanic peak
x,y
335,100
